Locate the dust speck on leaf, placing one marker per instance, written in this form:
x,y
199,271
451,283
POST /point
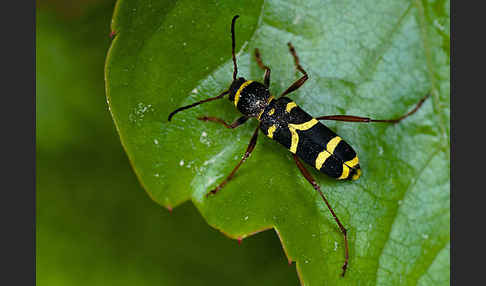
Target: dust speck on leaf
x,y
211,180
204,138
380,150
139,111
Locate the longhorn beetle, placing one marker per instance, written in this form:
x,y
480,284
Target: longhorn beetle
x,y
284,121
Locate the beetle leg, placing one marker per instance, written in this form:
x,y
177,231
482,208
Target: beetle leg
x,y
235,124
249,149
301,80
266,80
311,180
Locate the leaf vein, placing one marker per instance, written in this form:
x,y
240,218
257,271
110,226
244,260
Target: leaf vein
x,y
396,211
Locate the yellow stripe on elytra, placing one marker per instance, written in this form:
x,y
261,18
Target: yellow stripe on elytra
x,y
345,172
331,145
270,131
289,106
272,111
305,125
356,175
295,140
295,136
237,95
353,162
260,114
321,159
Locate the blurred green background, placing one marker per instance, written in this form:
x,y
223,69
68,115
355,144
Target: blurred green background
x,y
95,224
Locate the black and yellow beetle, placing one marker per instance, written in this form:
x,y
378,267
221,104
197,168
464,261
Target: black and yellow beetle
x,y
284,121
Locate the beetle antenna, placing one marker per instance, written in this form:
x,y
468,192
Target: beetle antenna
x,y
235,70
197,103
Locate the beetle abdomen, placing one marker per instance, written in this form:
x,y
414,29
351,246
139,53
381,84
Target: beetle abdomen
x,y
310,140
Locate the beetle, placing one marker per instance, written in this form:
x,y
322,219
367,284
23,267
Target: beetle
x,y
282,120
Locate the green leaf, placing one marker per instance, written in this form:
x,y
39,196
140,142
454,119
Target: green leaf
x,y
365,58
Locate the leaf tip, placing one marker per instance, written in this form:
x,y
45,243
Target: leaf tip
x,y
112,34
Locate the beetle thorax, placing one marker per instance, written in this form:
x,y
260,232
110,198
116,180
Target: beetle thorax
x,y
249,97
